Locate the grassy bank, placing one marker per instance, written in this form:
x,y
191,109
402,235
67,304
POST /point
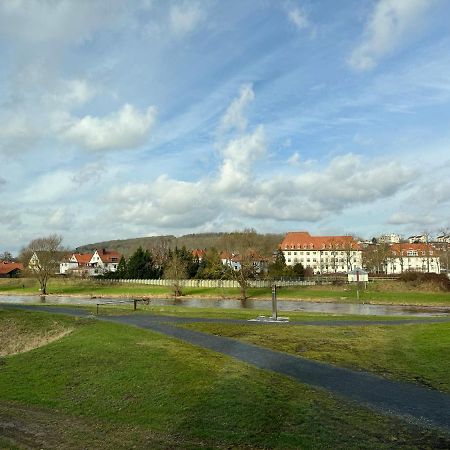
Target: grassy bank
x,y
377,292
111,386
415,352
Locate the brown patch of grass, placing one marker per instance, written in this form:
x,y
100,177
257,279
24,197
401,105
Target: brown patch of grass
x,y
16,340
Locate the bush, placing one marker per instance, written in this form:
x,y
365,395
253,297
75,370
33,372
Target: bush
x,y
441,281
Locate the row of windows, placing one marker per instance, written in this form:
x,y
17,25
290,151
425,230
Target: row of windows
x,y
323,253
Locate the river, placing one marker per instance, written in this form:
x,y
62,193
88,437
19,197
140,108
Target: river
x,y
260,305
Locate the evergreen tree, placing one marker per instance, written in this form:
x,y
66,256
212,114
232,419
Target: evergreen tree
x,y
278,268
122,268
211,266
140,265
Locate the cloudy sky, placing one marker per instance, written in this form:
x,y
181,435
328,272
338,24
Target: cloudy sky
x,y
125,119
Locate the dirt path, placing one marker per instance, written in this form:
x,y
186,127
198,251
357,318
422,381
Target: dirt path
x,y
413,402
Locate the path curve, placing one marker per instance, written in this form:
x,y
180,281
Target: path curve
x,y
413,402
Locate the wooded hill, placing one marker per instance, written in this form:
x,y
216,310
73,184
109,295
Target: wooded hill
x,y
269,243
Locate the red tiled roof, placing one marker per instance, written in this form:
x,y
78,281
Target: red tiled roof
x,y
83,258
7,267
198,253
108,256
420,247
299,240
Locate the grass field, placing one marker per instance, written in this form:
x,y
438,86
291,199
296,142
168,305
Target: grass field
x,y
377,292
413,352
105,385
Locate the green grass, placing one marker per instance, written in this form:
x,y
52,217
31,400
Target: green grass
x,y
156,392
412,352
378,292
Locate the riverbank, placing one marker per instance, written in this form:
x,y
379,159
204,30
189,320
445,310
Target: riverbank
x,y
376,293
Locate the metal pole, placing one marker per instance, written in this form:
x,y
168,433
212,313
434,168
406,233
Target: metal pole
x,y
274,302
357,284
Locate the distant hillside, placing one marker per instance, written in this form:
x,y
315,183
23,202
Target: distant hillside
x,y
190,241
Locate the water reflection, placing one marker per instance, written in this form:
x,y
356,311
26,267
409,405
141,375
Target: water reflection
x,y
283,305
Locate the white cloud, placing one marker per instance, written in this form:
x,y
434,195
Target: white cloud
x,y
185,17
391,23
298,18
49,187
124,129
238,157
294,159
56,23
403,218
234,118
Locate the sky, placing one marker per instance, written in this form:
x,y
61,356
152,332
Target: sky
x,y
139,118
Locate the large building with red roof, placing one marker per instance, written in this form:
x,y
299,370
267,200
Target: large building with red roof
x,y
323,254
412,257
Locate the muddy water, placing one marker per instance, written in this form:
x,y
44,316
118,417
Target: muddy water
x,y
283,305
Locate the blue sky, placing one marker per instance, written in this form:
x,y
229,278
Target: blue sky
x,y
125,119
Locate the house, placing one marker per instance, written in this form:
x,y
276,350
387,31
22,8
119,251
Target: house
x,y
199,254
443,239
103,261
230,260
233,260
417,239
77,263
391,238
323,254
10,269
413,257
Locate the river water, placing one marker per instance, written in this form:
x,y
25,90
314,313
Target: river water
x,y
260,305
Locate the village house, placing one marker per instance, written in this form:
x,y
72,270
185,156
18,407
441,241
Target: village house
x,y
413,257
10,269
90,264
390,238
323,254
232,260
77,263
103,261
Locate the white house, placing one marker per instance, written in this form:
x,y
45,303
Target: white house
x,y
103,261
421,238
323,254
232,260
76,263
443,239
391,238
413,257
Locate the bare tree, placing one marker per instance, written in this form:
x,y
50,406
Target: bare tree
x,y
444,249
243,248
176,271
42,256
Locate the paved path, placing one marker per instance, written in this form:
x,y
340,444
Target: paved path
x,y
405,399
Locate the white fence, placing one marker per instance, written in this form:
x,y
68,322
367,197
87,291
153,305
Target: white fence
x,y
215,283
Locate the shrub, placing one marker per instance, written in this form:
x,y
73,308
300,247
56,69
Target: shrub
x,y
441,281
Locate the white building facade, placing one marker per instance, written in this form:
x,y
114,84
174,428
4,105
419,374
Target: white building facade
x,y
413,257
323,254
